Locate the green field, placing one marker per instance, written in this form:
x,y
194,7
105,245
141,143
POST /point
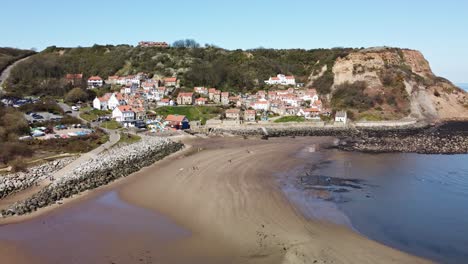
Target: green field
x,y
110,125
92,114
202,113
285,119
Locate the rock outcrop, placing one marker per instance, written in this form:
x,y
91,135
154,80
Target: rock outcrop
x,y
405,75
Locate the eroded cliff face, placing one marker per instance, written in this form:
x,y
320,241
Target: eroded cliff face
x,y
406,76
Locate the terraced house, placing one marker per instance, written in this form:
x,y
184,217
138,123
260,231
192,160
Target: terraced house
x,y
185,99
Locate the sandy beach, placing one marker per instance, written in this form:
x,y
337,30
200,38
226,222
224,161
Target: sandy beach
x,y
222,204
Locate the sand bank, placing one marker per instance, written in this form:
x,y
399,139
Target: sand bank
x,y
224,199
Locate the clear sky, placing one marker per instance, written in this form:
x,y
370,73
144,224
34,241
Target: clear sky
x,y
438,28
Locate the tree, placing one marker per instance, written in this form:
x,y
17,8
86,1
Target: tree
x,y
75,95
185,43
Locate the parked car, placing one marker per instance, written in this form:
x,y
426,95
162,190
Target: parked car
x,y
140,125
38,133
25,138
75,108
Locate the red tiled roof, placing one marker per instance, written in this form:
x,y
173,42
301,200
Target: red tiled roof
x,y
165,100
171,79
95,78
185,95
201,99
212,90
233,111
289,77
312,110
74,76
250,112
175,118
125,108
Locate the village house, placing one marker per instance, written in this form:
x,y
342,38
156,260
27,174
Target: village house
x,y
341,117
233,114
201,90
260,105
200,101
148,85
75,79
128,80
162,90
165,102
140,113
235,100
217,97
211,93
170,82
112,80
95,81
225,98
153,95
115,100
308,113
310,95
281,79
108,101
147,44
100,103
261,94
123,113
178,121
249,116
289,110
129,88
185,99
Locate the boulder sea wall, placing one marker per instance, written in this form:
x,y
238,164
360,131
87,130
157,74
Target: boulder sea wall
x,y
107,167
14,182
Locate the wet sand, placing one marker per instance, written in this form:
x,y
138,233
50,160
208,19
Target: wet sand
x,y
218,202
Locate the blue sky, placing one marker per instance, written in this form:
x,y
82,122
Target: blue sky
x,y
437,28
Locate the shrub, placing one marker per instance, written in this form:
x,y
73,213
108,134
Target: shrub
x,y
18,165
75,95
324,83
351,95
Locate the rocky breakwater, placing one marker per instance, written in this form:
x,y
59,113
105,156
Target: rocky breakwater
x,y
113,164
446,138
14,182
288,130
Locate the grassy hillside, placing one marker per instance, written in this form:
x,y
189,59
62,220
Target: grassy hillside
x,y
236,70
10,55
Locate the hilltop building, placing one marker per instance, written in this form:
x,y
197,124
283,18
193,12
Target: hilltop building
x,y
281,79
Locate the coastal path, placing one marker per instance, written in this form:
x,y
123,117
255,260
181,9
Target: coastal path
x,y
6,73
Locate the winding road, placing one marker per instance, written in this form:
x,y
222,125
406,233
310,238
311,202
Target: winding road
x,y
6,73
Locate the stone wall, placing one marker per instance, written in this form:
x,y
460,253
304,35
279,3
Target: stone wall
x,y
109,166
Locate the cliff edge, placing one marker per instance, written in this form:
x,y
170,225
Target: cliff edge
x,y
391,83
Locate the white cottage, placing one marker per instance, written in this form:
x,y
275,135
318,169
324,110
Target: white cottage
x,y
123,113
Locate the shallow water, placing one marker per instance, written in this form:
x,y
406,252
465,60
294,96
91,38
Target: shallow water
x,y
92,232
412,202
